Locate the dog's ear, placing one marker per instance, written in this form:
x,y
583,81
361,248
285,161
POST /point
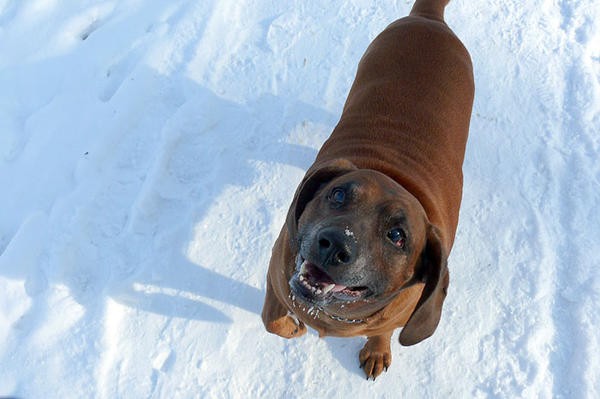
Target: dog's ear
x,y
433,270
318,175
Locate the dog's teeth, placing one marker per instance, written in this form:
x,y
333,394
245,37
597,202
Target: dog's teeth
x,y
338,288
301,277
318,292
303,267
328,288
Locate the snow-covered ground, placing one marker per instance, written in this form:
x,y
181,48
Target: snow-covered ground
x,y
149,151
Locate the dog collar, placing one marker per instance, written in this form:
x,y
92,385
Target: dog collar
x,y
343,319
315,311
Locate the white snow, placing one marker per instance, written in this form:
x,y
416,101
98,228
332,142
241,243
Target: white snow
x,y
149,151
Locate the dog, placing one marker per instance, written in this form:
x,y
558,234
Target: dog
x,y
364,247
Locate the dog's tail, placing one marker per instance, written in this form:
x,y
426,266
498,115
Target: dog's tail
x,y
432,9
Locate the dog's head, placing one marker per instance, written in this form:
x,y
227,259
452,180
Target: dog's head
x,y
359,239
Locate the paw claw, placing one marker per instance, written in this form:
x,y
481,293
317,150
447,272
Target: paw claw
x,y
375,359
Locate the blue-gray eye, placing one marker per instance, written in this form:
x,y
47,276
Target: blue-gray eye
x,y
397,237
338,196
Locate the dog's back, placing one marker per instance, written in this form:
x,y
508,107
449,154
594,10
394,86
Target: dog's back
x,y
408,112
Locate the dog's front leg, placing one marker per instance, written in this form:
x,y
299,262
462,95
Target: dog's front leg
x,y
277,318
376,356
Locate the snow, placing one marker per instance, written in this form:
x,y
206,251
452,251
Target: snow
x,y
149,151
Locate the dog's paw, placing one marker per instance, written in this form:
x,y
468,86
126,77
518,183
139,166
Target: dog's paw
x,y
287,327
375,357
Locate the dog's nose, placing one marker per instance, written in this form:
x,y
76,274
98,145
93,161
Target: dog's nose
x,y
335,247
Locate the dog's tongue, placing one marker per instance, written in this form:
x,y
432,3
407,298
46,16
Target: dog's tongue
x,y
321,278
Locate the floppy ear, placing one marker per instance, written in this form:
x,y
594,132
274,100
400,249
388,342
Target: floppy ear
x,y
433,271
315,178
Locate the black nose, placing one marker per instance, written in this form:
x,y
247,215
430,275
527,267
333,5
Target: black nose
x,y
335,247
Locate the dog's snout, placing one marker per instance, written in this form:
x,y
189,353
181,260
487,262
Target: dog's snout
x,y
335,247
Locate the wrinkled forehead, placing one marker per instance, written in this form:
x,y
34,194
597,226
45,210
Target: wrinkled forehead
x,y
380,192
372,183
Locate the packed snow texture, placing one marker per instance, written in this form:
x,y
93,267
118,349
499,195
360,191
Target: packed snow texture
x,y
149,152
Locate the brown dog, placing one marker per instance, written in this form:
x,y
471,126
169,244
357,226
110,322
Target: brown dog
x,y
366,239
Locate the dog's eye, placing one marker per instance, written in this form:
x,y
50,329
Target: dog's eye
x,y
397,237
338,196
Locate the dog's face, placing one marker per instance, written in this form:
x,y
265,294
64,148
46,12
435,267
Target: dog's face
x,y
360,240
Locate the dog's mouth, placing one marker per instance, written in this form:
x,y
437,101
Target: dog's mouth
x,y
315,286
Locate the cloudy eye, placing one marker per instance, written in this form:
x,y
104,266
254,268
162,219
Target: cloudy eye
x,y
338,196
397,237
